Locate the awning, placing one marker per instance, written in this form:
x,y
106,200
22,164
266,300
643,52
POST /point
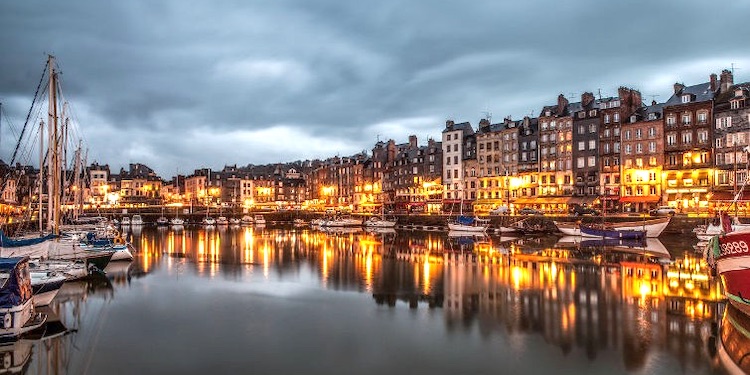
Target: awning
x,y
728,196
640,199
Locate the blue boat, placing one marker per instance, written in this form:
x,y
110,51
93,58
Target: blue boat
x,y
603,232
17,315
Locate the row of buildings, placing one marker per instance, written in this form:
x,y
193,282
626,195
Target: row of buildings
x,y
616,153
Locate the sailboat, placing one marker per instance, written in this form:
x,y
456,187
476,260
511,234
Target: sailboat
x,y
56,246
162,220
467,223
380,221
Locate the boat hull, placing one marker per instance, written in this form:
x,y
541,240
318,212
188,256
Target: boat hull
x,y
732,255
629,234
466,228
653,227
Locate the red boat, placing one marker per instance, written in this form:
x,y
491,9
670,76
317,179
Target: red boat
x,y
729,255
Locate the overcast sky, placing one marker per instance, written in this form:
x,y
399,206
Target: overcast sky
x,y
180,85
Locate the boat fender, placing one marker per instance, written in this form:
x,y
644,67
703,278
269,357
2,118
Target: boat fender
x,y
7,321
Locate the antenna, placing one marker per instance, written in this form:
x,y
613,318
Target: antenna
x,y
653,97
599,92
572,95
487,115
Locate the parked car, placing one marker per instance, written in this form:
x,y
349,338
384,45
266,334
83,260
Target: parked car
x,y
530,211
579,210
501,210
662,211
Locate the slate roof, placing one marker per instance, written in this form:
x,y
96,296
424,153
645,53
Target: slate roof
x,y
701,92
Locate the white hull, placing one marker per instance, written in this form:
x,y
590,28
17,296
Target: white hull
x,y
122,253
653,227
466,228
45,298
380,223
22,319
177,221
713,230
342,223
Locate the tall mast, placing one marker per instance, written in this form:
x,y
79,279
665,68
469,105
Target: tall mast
x,y
41,175
54,146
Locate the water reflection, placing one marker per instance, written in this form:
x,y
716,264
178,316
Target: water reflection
x,y
640,305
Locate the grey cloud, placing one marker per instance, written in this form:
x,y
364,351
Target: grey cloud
x,y
336,70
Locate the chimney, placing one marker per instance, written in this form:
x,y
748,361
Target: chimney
x,y
586,99
678,87
712,80
561,104
507,120
726,80
484,124
413,141
653,102
449,123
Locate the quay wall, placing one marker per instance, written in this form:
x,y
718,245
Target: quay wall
x,y
680,224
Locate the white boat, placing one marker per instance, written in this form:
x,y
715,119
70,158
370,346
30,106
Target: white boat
x,y
380,222
342,221
259,220
72,270
222,220
162,221
45,285
234,221
247,220
136,220
17,302
208,220
177,221
704,233
125,222
469,224
653,227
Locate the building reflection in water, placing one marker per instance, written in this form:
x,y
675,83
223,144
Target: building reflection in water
x,y
593,299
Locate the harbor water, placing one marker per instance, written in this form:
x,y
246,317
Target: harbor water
x,y
297,300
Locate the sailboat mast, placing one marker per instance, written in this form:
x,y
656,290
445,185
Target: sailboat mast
x,y
54,166
41,175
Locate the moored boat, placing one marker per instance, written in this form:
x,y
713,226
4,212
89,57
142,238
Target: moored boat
x,y
729,255
45,285
652,227
609,232
733,341
379,222
247,220
16,299
136,220
468,224
222,220
259,220
162,221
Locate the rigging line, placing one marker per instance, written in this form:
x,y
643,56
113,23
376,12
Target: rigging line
x,y
26,123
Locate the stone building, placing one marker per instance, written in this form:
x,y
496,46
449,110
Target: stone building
x,y
688,131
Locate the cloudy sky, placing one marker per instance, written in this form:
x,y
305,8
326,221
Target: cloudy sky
x,y
179,85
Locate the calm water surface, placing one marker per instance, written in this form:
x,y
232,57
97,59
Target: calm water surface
x,y
299,301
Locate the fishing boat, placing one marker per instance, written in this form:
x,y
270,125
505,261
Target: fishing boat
x,y
16,299
652,227
609,232
729,255
705,232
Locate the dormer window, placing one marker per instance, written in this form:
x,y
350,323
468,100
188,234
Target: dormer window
x,y
548,113
592,112
686,98
735,104
632,118
652,116
738,93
